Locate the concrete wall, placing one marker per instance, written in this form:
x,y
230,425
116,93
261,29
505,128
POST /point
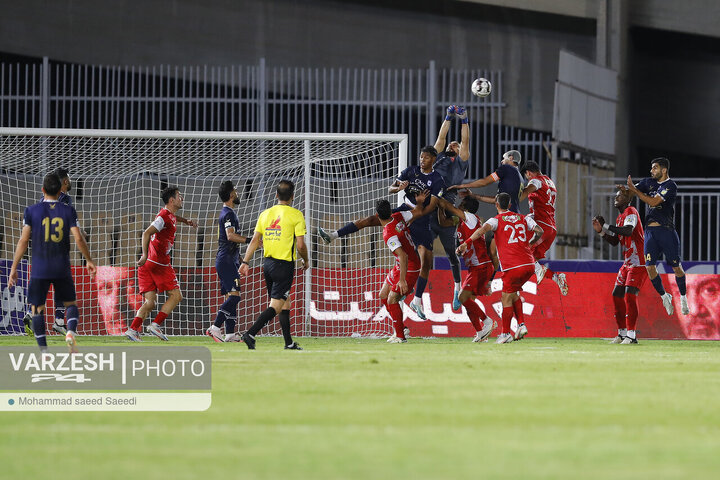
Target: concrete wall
x,y
314,33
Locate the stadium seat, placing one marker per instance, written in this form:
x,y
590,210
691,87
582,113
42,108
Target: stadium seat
x,y
12,226
130,229
100,227
184,252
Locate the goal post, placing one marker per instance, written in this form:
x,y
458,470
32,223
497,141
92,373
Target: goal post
x,y
116,180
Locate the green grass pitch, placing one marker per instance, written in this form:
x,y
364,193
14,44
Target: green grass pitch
x,y
431,408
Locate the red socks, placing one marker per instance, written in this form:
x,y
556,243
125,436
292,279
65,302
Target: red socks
x,y
474,312
517,308
161,316
507,314
397,316
620,310
631,303
136,324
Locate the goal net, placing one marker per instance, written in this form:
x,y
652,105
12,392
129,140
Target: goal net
x,y
116,180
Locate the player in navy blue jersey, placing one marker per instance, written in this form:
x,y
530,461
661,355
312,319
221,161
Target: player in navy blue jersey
x,y
49,225
452,164
227,264
509,178
59,322
661,238
413,180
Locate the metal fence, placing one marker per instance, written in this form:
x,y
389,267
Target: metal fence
x,y
260,98
697,211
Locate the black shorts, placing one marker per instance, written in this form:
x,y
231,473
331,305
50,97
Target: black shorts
x,y
39,287
419,229
227,271
279,276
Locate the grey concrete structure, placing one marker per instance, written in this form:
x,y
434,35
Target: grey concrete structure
x,y
520,37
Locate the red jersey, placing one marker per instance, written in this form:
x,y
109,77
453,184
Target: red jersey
x,y
161,243
634,245
476,253
542,201
396,234
512,238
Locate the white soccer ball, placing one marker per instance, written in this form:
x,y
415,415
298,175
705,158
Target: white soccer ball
x,y
481,87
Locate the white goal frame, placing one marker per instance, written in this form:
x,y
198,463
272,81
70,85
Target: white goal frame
x,y
47,163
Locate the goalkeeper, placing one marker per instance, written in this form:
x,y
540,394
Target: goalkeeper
x,y
452,163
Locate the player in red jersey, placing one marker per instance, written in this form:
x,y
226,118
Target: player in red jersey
x,y
478,262
629,233
541,194
396,234
514,258
155,274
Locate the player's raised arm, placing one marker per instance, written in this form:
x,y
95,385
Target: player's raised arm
x,y
445,205
597,223
477,183
20,250
444,128
476,235
186,221
651,201
84,249
398,186
530,188
464,153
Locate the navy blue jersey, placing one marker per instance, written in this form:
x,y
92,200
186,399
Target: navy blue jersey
x,y
664,213
226,248
511,183
419,181
51,222
453,171
63,197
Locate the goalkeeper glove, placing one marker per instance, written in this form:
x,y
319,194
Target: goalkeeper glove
x,y
450,113
461,113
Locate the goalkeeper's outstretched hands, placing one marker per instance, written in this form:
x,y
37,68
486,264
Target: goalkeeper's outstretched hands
x,y
461,113
450,113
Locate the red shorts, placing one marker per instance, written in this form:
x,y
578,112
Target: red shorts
x,y
153,277
478,278
394,277
539,249
515,278
630,276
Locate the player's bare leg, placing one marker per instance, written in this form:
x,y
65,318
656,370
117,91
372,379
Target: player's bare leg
x,y
657,283
426,260
328,236
133,332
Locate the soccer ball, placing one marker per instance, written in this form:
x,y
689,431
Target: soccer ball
x,y
481,87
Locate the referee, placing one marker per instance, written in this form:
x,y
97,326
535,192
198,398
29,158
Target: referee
x,y
281,229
